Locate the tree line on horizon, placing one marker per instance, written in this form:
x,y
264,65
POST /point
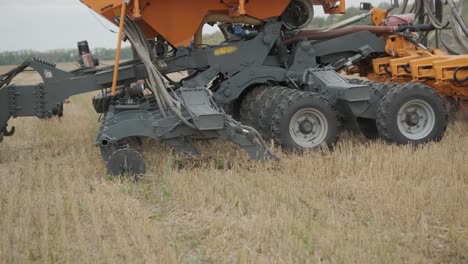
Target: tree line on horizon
x,y
60,55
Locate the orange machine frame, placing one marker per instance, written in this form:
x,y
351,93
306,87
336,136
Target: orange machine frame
x,y
409,63
179,20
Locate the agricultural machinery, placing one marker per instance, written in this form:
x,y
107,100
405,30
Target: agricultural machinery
x,y
269,80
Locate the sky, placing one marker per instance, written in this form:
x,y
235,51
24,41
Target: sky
x,y
53,24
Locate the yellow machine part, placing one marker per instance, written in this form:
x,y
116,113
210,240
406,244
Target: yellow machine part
x,y
178,20
378,16
409,63
434,67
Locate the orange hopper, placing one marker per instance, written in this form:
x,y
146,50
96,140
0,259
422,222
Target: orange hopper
x,y
178,20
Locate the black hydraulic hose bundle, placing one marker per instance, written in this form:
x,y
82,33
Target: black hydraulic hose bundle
x,y
318,35
428,12
429,16
156,82
455,75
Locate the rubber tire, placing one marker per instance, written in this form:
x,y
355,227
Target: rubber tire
x,y
368,127
379,90
230,109
274,98
251,105
396,98
295,102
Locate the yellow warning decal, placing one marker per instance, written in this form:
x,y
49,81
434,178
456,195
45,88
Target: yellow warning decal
x,y
225,50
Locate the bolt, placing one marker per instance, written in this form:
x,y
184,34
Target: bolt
x,y
227,93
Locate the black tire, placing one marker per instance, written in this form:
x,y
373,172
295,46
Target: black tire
x,y
230,109
292,106
453,105
412,127
251,105
367,126
277,95
379,90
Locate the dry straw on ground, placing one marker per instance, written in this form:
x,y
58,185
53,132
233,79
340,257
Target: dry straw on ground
x,y
367,202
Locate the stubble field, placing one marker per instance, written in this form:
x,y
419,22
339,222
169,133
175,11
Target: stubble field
x,y
366,202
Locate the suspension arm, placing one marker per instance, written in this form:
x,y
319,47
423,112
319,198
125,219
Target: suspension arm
x,y
45,100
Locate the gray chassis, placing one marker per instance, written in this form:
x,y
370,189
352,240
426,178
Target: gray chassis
x,y
253,62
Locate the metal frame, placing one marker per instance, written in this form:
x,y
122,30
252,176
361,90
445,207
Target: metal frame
x,y
241,65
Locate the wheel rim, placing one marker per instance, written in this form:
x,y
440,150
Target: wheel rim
x,y
308,128
416,119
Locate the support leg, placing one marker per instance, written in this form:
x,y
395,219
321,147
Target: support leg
x,y
249,141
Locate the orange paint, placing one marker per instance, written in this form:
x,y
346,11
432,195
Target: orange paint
x,y
178,20
119,47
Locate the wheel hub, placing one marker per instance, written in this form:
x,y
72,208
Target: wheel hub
x,y
416,119
308,128
412,118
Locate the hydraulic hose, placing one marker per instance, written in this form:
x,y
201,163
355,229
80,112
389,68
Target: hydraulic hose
x,y
455,77
432,17
156,80
456,14
404,6
317,35
426,12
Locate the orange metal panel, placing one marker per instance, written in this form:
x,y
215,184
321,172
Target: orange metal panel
x,y
178,20
436,70
423,68
445,69
380,64
378,16
397,66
